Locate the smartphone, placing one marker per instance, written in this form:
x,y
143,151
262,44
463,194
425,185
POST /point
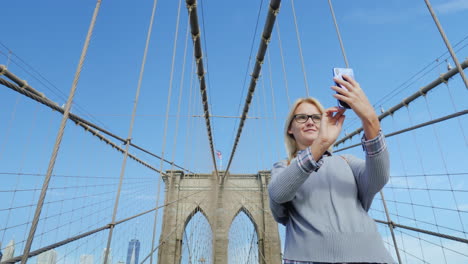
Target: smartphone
x,y
338,72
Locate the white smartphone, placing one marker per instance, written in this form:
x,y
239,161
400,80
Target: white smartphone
x,y
339,72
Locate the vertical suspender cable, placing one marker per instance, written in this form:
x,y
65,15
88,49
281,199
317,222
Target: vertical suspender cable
x,y
447,43
269,23
300,49
130,132
40,203
338,33
193,16
180,98
282,63
168,106
391,226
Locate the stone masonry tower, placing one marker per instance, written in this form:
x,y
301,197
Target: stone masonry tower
x,y
220,204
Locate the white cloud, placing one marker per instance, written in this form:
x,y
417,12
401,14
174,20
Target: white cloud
x,y
449,7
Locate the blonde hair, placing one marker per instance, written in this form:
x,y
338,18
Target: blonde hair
x,y
289,141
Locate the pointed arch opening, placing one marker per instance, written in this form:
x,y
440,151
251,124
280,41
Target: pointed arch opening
x,y
243,239
197,239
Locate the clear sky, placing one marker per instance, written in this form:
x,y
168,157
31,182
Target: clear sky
x,y
387,43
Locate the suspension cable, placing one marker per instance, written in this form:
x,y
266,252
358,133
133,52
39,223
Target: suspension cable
x,y
300,49
286,86
269,23
168,105
447,43
87,125
338,34
71,239
80,122
422,91
58,140
414,127
195,29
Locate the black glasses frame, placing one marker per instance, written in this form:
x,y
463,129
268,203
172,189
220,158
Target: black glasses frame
x,y
316,118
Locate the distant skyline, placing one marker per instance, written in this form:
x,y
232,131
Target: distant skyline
x,y
48,257
86,259
133,252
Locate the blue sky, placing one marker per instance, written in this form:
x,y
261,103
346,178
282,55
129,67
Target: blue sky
x,y
386,46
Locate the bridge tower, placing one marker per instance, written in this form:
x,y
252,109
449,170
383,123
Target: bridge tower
x,y
220,204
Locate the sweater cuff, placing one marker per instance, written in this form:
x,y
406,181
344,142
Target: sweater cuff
x,y
306,161
374,146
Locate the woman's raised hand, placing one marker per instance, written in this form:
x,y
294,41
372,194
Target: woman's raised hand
x,y
357,100
330,128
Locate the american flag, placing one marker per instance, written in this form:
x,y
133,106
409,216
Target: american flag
x,y
219,154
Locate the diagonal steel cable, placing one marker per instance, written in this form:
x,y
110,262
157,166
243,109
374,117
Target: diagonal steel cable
x,y
195,31
25,89
269,23
422,91
59,137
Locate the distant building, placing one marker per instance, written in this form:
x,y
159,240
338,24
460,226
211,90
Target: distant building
x,y
86,259
133,251
103,256
9,251
48,257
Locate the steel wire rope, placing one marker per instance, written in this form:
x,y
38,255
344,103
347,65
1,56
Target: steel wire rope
x,y
260,154
433,207
438,59
304,73
254,204
407,253
266,35
286,85
250,248
25,149
268,138
189,120
403,165
168,105
107,226
447,44
445,165
414,128
78,120
421,221
443,247
273,105
422,91
8,126
13,116
180,96
61,95
195,30
455,109
248,64
343,52
408,82
77,176
206,54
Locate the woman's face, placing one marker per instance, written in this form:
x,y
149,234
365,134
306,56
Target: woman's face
x,y
304,133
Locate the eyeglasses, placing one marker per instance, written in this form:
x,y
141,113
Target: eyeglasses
x,y
302,118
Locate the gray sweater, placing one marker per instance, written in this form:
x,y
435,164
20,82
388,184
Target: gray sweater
x,y
325,211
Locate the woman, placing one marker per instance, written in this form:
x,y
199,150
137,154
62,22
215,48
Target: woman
x,y
323,199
